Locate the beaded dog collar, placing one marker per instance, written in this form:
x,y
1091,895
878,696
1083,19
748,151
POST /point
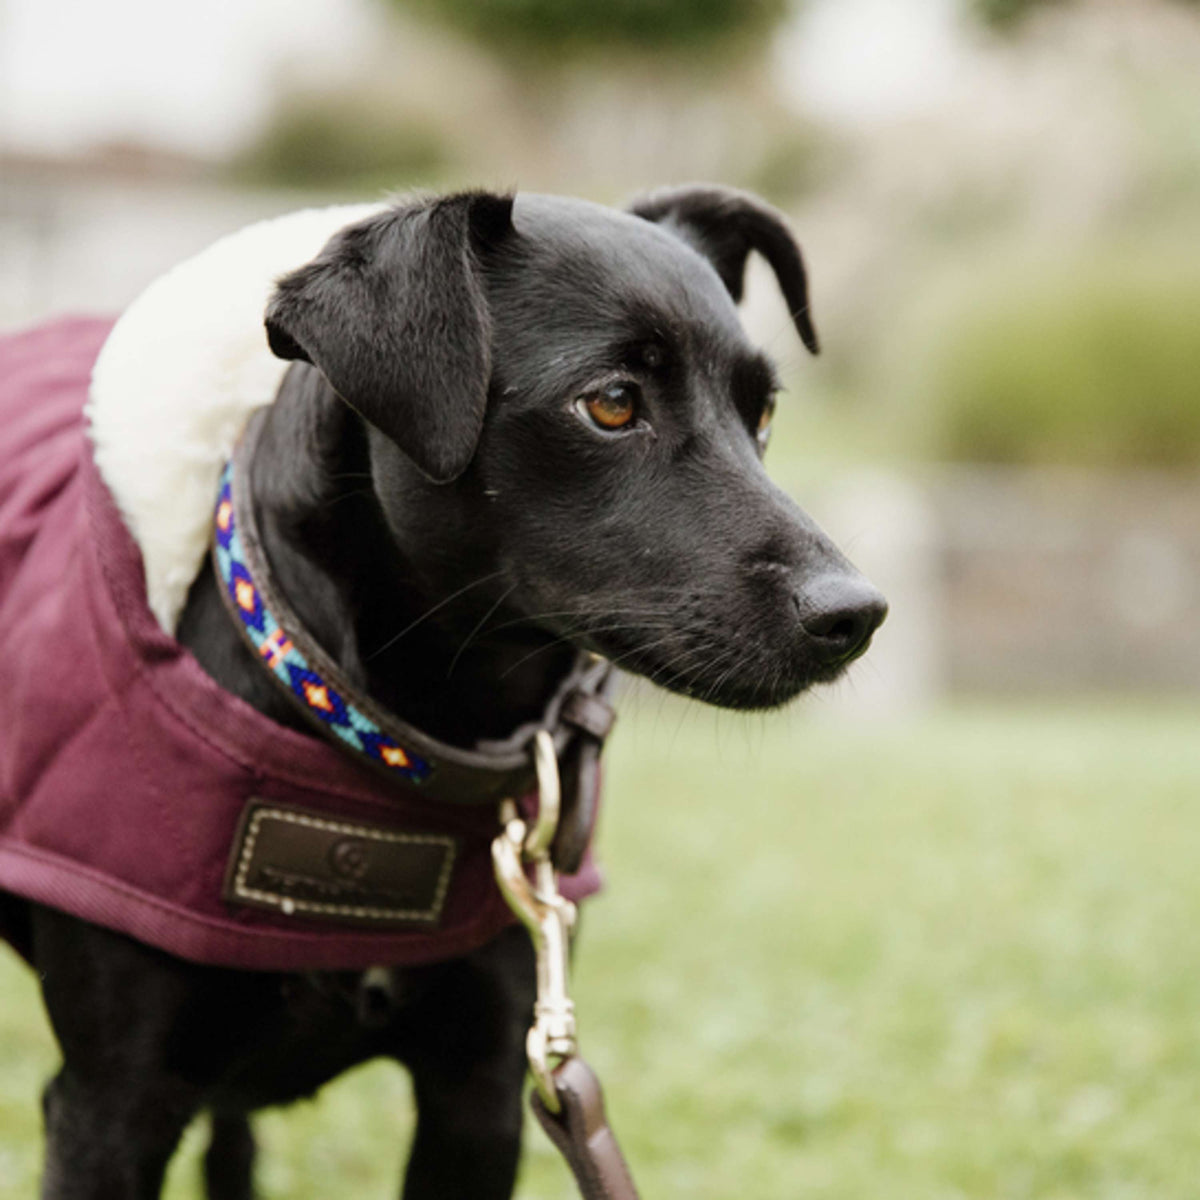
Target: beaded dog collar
x,y
578,712
279,652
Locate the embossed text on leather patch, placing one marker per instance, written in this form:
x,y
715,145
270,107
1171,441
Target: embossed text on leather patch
x,y
301,863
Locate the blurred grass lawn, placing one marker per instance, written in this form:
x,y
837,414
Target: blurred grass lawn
x,y
953,957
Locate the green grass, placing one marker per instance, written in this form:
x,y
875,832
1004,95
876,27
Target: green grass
x,y
957,957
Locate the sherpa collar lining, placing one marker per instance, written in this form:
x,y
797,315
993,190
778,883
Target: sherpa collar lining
x,y
176,380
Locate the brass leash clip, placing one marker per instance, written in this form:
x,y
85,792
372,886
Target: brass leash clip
x,y
547,915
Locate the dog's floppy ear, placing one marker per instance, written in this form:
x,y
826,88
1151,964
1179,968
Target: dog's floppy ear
x,y
724,225
393,314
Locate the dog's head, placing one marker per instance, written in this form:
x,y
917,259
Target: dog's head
x,y
564,393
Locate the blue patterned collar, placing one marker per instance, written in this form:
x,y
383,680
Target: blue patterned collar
x,y
303,679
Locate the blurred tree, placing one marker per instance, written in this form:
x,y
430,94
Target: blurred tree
x,y
1006,14
604,96
577,25
344,139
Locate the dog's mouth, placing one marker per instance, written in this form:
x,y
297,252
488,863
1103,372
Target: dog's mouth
x,y
734,673
749,640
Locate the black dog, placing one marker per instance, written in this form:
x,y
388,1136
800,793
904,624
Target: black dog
x,y
551,414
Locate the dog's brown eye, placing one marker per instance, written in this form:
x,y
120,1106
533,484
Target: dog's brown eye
x,y
612,407
762,434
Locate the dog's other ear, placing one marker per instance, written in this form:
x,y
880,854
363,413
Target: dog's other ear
x,y
393,313
725,225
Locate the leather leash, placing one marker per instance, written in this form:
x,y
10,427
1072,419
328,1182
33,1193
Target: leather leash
x,y
580,1132
567,1098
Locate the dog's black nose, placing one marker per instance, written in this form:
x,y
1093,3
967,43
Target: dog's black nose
x,y
839,614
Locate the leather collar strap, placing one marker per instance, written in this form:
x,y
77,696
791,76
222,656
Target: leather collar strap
x,y
579,715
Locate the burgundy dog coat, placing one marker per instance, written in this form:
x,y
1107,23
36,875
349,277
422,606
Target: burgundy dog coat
x,y
127,776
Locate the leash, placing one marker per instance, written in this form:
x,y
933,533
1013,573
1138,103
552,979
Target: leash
x,y
567,1098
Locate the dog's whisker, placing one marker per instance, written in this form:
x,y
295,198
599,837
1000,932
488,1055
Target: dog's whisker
x,y
430,611
611,606
642,648
558,641
714,689
608,611
572,634
673,667
686,660
479,626
353,494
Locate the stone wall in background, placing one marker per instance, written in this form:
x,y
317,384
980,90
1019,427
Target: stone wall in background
x,y
1053,580
1023,582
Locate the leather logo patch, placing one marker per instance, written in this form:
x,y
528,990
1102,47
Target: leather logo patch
x,y
303,864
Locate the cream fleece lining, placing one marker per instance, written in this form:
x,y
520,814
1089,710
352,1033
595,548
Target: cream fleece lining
x,y
183,368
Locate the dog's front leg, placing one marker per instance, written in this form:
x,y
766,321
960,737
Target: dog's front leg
x,y
468,1138
468,1073
104,1144
142,1037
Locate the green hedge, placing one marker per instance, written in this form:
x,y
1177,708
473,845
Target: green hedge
x,y
1007,14
554,25
322,141
1098,365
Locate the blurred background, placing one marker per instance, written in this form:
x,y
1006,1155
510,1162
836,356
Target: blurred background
x,y
944,944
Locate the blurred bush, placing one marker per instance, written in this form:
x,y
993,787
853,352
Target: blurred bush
x,y
1096,364
1006,14
798,158
345,139
576,24
1003,14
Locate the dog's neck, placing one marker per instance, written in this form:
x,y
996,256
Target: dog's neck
x,y
437,663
